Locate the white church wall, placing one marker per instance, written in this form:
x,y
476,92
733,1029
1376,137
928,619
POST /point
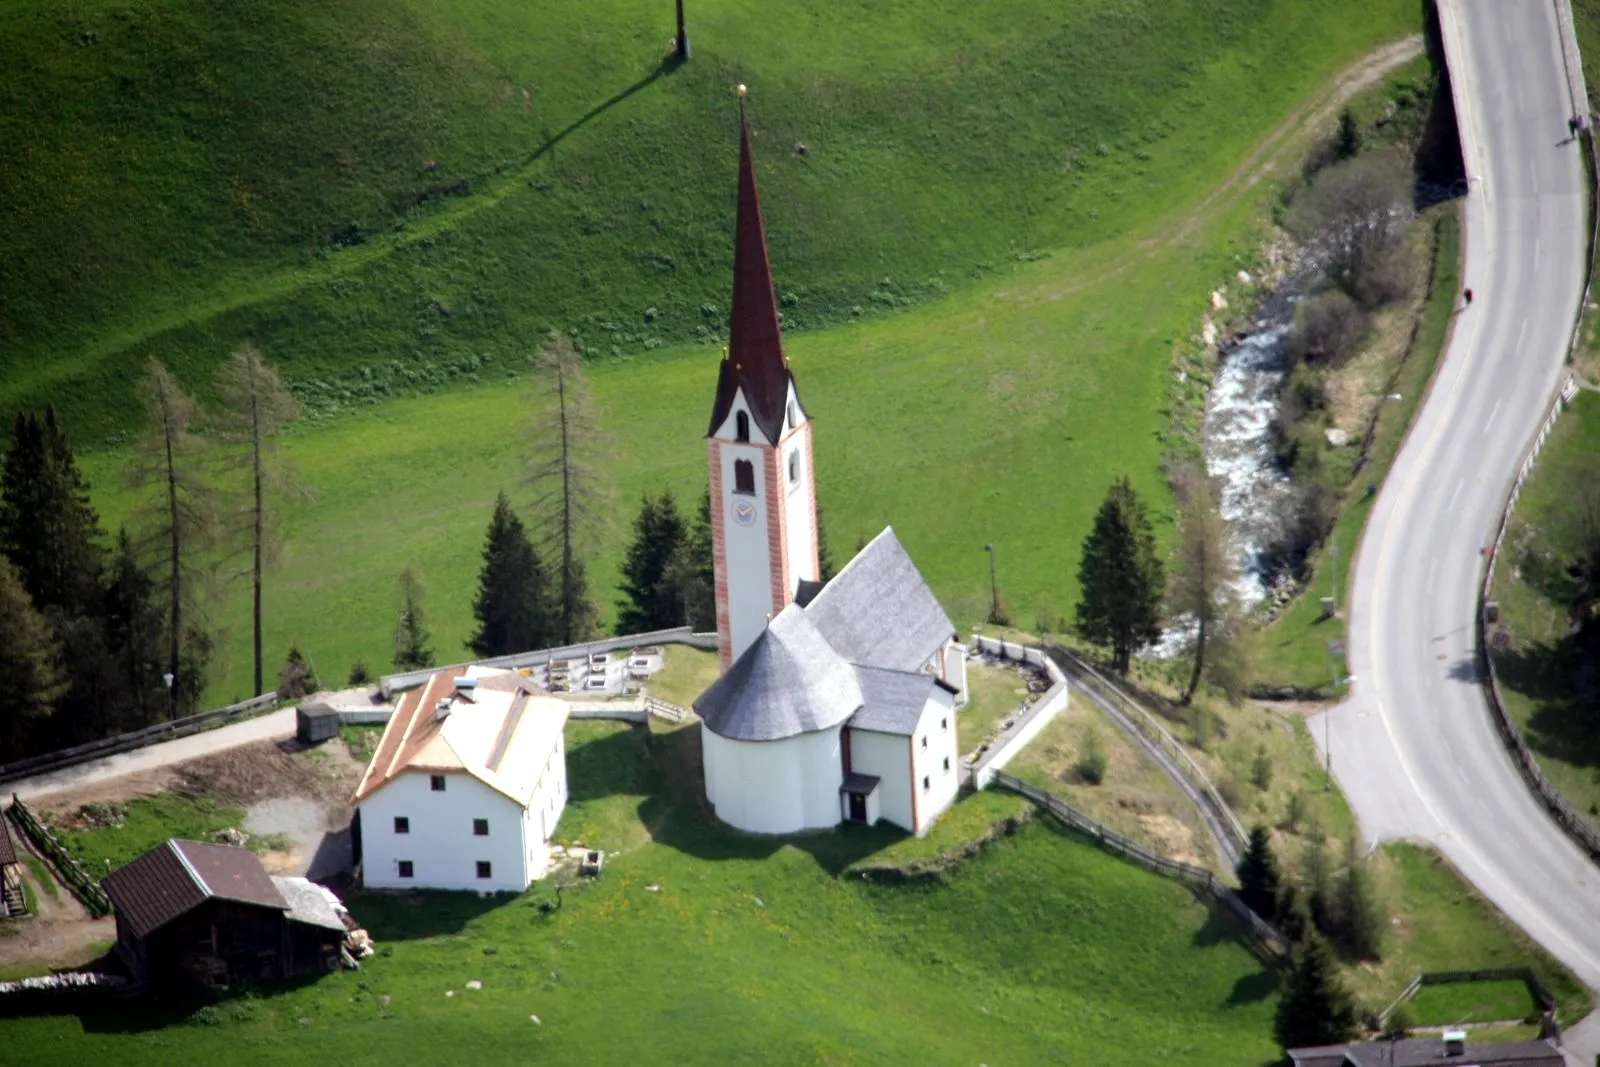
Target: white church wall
x,y
955,670
885,757
746,547
798,515
934,759
774,787
440,843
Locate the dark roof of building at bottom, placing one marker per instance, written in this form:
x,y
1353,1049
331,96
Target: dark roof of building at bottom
x,y
1425,1052
177,876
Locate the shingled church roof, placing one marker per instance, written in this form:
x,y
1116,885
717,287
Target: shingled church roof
x,y
755,359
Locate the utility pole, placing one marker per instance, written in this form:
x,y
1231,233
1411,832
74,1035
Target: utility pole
x,y
682,40
994,587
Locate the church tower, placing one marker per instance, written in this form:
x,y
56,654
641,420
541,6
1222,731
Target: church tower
x,y
763,495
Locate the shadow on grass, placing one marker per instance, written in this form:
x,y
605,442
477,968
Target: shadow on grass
x,y
1563,683
413,914
160,1011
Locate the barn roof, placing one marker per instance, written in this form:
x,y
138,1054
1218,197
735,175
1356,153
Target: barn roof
x,y
309,903
178,876
789,681
891,701
500,730
878,612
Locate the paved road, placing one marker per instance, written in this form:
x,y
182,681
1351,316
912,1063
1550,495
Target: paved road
x,y
275,726
1414,748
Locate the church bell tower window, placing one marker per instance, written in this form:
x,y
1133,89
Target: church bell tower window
x,y
794,465
744,475
741,427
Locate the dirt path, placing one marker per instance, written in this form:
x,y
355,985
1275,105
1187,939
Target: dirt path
x,y
60,934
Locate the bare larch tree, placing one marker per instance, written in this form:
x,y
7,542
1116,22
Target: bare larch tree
x,y
1200,594
568,493
256,407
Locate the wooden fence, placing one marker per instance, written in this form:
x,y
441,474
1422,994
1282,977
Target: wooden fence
x,y
149,735
67,867
1274,946
1151,728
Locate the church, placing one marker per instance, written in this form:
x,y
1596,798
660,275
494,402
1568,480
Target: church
x,y
837,701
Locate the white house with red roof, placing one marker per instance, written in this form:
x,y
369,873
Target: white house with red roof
x,y
838,700
466,785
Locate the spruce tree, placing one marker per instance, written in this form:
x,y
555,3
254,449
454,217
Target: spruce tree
x,y
1361,919
1315,1009
135,635
47,527
411,651
1120,578
514,606
698,569
825,567
29,664
298,676
651,600
1258,875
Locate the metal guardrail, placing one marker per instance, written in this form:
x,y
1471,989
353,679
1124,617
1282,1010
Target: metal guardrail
x,y
1277,946
149,735
680,635
1153,729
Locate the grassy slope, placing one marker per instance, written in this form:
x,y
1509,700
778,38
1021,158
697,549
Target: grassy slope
x,y
1030,394
1293,649
1042,949
149,821
1541,691
180,187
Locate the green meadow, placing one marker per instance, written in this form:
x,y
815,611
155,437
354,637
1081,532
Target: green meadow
x,y
700,946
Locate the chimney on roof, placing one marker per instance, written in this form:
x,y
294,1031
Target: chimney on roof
x,y
1455,1042
443,711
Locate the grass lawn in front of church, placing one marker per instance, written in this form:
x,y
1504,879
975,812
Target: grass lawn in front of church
x,y
702,946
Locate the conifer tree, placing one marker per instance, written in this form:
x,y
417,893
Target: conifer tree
x,y
411,651
29,664
1315,1009
256,408
651,600
1361,918
47,527
1120,577
1258,875
692,570
569,495
178,521
514,605
135,633
825,566
298,676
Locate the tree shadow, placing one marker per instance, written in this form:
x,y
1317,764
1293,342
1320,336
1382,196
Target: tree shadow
x,y
1254,988
1562,680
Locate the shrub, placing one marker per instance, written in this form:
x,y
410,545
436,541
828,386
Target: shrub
x,y
1261,770
1353,216
360,674
1328,329
1092,758
1296,812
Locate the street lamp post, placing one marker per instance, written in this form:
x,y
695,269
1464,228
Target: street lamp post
x,y
1335,648
682,40
1333,554
994,587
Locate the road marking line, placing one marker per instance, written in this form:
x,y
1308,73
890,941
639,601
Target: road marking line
x,y
1492,414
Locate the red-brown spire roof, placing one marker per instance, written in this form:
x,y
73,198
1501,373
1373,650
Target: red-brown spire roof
x,y
755,358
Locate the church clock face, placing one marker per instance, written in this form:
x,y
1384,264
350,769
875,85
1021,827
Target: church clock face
x,y
744,513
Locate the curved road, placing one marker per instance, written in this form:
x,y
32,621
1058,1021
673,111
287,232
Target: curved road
x,y
1414,747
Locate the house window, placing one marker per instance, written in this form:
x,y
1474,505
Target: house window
x,y
794,465
483,869
405,868
480,827
944,724
924,742
744,477
947,763
436,783
402,825
926,785
741,426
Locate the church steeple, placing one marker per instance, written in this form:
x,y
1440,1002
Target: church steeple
x,y
755,361
763,494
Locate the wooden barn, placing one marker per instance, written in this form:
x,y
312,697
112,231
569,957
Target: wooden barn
x,y
190,913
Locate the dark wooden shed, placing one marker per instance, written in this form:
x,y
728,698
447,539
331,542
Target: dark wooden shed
x,y
190,913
